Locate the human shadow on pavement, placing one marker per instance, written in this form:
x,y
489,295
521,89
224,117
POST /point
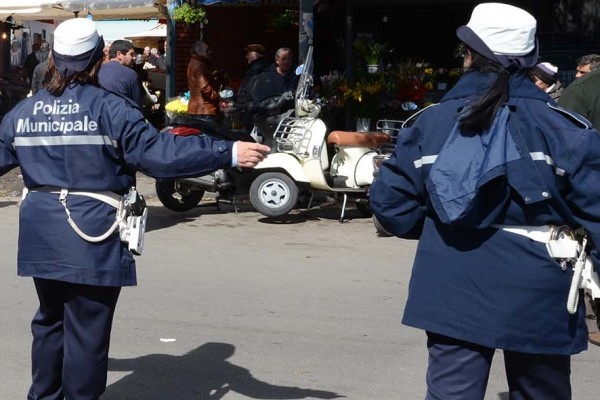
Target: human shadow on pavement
x,y
202,374
160,217
8,203
326,212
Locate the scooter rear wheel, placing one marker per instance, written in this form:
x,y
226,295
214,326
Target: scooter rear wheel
x,y
273,194
175,196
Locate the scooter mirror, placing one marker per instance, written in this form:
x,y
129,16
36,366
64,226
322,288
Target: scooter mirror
x,y
299,69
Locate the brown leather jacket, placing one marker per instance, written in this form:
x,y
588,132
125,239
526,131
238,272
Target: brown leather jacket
x,y
204,97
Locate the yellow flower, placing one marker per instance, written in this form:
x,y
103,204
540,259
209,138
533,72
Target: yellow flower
x,y
176,106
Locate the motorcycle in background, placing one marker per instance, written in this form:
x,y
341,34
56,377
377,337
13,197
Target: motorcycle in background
x,y
302,160
228,183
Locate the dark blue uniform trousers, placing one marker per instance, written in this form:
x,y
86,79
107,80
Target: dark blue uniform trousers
x,y
459,370
71,337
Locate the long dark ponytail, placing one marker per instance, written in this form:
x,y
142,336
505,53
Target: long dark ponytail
x,y
478,117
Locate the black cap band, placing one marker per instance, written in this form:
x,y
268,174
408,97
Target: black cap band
x,y
69,65
511,63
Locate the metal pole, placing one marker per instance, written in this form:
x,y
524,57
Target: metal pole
x,y
349,54
349,38
170,56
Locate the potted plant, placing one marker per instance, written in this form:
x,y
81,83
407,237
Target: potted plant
x,y
189,15
372,53
363,97
284,19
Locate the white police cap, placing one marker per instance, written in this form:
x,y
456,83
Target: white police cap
x,y
77,45
505,29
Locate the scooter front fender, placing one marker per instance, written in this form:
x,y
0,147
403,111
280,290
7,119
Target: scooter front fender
x,y
285,162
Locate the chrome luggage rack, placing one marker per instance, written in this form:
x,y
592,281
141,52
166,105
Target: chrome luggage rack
x,y
293,136
390,126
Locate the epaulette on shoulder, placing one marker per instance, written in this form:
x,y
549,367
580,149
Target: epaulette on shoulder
x,y
577,119
412,119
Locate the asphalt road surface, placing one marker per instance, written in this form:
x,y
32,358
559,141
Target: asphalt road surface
x,y
234,306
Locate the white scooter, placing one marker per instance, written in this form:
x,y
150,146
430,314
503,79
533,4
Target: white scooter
x,y
301,159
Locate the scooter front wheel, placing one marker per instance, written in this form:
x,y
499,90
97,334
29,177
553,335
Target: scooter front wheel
x,y
176,196
273,194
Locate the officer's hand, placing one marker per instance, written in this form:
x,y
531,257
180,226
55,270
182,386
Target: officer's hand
x,y
249,154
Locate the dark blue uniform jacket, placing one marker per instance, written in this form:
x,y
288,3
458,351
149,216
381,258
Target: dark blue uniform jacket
x,y
88,139
471,281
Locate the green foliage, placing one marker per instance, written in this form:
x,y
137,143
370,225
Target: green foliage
x,y
284,19
189,15
371,52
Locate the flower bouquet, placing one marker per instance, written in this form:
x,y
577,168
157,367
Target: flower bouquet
x,y
177,105
363,96
330,90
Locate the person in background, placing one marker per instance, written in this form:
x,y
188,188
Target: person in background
x,y
583,96
146,53
77,161
204,92
106,52
284,62
483,278
118,76
44,52
153,58
545,76
161,60
31,61
257,64
139,59
39,74
586,64
278,79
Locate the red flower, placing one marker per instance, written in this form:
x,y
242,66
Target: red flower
x,y
410,89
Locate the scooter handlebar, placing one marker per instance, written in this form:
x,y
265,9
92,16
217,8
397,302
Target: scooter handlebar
x,y
273,105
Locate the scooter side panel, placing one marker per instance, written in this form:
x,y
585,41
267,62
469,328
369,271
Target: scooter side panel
x,y
313,171
363,174
355,164
286,162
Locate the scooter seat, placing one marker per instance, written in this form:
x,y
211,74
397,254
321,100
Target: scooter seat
x,y
358,139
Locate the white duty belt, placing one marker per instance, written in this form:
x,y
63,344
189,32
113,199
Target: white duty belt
x,y
559,241
566,250
109,198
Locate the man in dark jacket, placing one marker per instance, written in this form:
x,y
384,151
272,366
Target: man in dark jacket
x,y
31,61
117,74
257,64
583,97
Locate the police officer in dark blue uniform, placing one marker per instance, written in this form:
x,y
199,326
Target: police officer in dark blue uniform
x,y
79,147
481,180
